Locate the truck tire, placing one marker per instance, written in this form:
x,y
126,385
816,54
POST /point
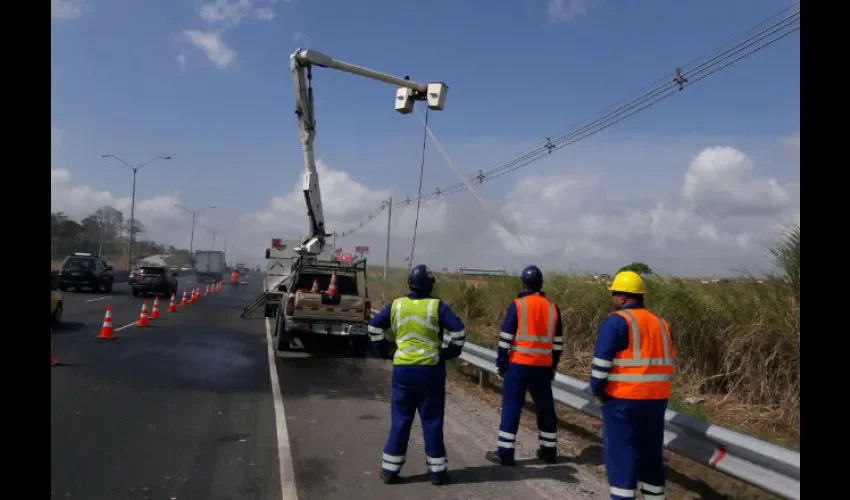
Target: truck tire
x,y
283,338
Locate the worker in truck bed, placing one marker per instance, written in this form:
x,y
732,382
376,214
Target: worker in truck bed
x,y
419,371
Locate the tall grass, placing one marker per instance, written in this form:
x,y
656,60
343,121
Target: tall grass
x,y
738,339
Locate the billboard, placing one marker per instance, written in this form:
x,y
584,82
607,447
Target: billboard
x,y
361,249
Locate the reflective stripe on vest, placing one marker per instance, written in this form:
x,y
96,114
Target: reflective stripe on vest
x,y
536,320
416,325
644,370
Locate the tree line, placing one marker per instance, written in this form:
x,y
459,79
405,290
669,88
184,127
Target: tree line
x,y
105,231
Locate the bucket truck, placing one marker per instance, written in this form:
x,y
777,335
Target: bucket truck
x,y
346,313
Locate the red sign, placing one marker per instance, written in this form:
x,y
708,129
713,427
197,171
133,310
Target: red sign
x,y
361,249
338,250
344,257
276,243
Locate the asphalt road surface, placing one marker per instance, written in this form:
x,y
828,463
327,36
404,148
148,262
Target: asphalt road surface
x,y
189,409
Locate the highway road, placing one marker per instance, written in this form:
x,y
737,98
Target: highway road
x,y
190,409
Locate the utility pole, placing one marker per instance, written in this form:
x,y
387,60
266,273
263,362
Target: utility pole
x,y
194,215
389,221
334,240
135,170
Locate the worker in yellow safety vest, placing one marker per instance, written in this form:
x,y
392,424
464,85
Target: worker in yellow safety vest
x,y
419,371
631,377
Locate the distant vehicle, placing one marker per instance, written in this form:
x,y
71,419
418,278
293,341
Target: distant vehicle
x,y
154,279
85,270
186,268
55,303
209,265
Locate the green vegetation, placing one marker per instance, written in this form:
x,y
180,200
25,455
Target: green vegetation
x,y
737,341
105,231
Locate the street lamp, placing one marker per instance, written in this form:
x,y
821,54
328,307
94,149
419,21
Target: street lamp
x,y
194,213
133,198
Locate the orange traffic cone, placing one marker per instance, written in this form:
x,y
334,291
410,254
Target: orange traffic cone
x,y
184,302
172,306
192,296
106,331
155,312
207,291
315,288
53,361
332,285
143,316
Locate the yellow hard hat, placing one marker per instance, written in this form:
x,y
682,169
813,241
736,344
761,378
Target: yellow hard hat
x,y
628,282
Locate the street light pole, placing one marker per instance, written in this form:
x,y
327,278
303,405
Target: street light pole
x,y
133,198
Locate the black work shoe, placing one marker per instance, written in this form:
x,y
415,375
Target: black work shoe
x,y
440,478
493,456
546,456
389,478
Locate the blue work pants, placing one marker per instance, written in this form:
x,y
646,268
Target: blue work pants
x,y
422,389
633,447
536,380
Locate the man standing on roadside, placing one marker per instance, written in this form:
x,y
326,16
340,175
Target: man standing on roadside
x,y
631,377
419,371
530,346
234,280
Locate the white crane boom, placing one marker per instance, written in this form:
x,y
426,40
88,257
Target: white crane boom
x,y
301,63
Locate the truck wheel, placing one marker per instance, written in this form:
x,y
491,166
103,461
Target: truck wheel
x,y
283,338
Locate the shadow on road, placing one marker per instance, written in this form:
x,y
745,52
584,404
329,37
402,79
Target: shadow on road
x,y
66,327
501,474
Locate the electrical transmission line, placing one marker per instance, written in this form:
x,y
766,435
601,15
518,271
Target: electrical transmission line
x,y
693,72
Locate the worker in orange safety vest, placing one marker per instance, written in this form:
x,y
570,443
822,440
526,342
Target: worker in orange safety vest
x,y
530,344
631,377
234,280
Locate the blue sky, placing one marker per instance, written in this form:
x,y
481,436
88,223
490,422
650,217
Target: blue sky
x,y
208,82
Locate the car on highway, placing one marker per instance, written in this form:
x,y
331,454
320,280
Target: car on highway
x,y
55,302
153,279
85,270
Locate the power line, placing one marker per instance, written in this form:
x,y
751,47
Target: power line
x,y
709,64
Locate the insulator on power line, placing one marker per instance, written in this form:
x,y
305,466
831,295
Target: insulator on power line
x,y
680,79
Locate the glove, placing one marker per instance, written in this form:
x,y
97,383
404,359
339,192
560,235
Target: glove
x,y
391,353
447,353
601,399
554,371
501,369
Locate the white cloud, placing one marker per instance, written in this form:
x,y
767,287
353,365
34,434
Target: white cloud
x,y
719,182
67,10
79,201
211,44
233,12
567,10
181,62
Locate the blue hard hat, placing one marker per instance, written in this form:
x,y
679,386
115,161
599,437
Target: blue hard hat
x,y
421,278
533,277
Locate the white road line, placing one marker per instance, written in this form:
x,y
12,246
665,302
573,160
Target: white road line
x,y
95,300
126,326
284,453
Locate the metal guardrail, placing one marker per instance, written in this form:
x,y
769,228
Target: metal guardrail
x,y
767,466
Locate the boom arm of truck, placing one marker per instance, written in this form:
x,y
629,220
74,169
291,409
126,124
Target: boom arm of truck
x,y
301,63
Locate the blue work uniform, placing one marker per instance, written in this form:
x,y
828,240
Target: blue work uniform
x,y
632,429
521,378
419,374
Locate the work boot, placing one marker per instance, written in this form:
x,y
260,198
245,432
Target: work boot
x,y
439,478
506,460
548,455
389,478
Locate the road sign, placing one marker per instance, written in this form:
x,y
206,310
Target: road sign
x,y
344,257
276,242
361,249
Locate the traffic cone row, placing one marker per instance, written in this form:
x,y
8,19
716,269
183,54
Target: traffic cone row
x,y
144,320
172,307
155,312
